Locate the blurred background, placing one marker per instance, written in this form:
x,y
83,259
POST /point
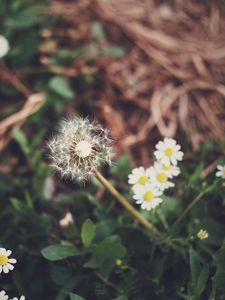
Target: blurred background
x,y
146,69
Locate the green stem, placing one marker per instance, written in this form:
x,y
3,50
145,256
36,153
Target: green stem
x,y
193,203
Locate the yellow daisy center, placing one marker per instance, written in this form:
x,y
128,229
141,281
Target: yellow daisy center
x,y
162,177
167,167
224,171
148,196
3,260
142,180
169,152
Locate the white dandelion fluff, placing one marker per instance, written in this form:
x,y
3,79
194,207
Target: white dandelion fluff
x,y
4,46
80,147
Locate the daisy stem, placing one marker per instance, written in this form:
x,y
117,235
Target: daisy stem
x,y
141,219
193,203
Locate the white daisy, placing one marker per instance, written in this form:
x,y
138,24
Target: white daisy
x,y
15,298
160,178
171,170
147,195
168,151
202,234
5,261
221,171
4,46
139,176
3,295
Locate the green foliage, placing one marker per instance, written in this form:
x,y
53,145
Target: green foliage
x,y
105,254
58,252
75,297
61,87
218,288
87,233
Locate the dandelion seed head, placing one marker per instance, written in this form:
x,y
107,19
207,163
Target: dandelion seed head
x,y
79,147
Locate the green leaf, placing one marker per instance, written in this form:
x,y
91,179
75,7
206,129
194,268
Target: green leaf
x,y
87,233
121,298
114,51
68,287
194,267
218,286
75,297
98,31
21,139
18,205
202,280
23,19
108,250
58,252
61,87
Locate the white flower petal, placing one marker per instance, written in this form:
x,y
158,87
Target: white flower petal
x,y
10,267
5,269
8,252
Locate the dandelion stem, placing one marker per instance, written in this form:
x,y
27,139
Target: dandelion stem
x,y
141,219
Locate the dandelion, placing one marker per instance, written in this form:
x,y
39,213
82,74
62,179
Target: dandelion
x,y
147,196
66,220
139,176
4,46
6,263
221,171
202,234
168,151
3,295
80,147
160,177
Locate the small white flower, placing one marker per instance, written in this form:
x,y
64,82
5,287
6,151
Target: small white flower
x,y
3,295
138,176
160,178
15,298
4,46
168,151
66,220
5,261
221,171
202,234
147,195
80,147
170,170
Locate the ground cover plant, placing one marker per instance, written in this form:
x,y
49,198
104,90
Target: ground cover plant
x,y
100,196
